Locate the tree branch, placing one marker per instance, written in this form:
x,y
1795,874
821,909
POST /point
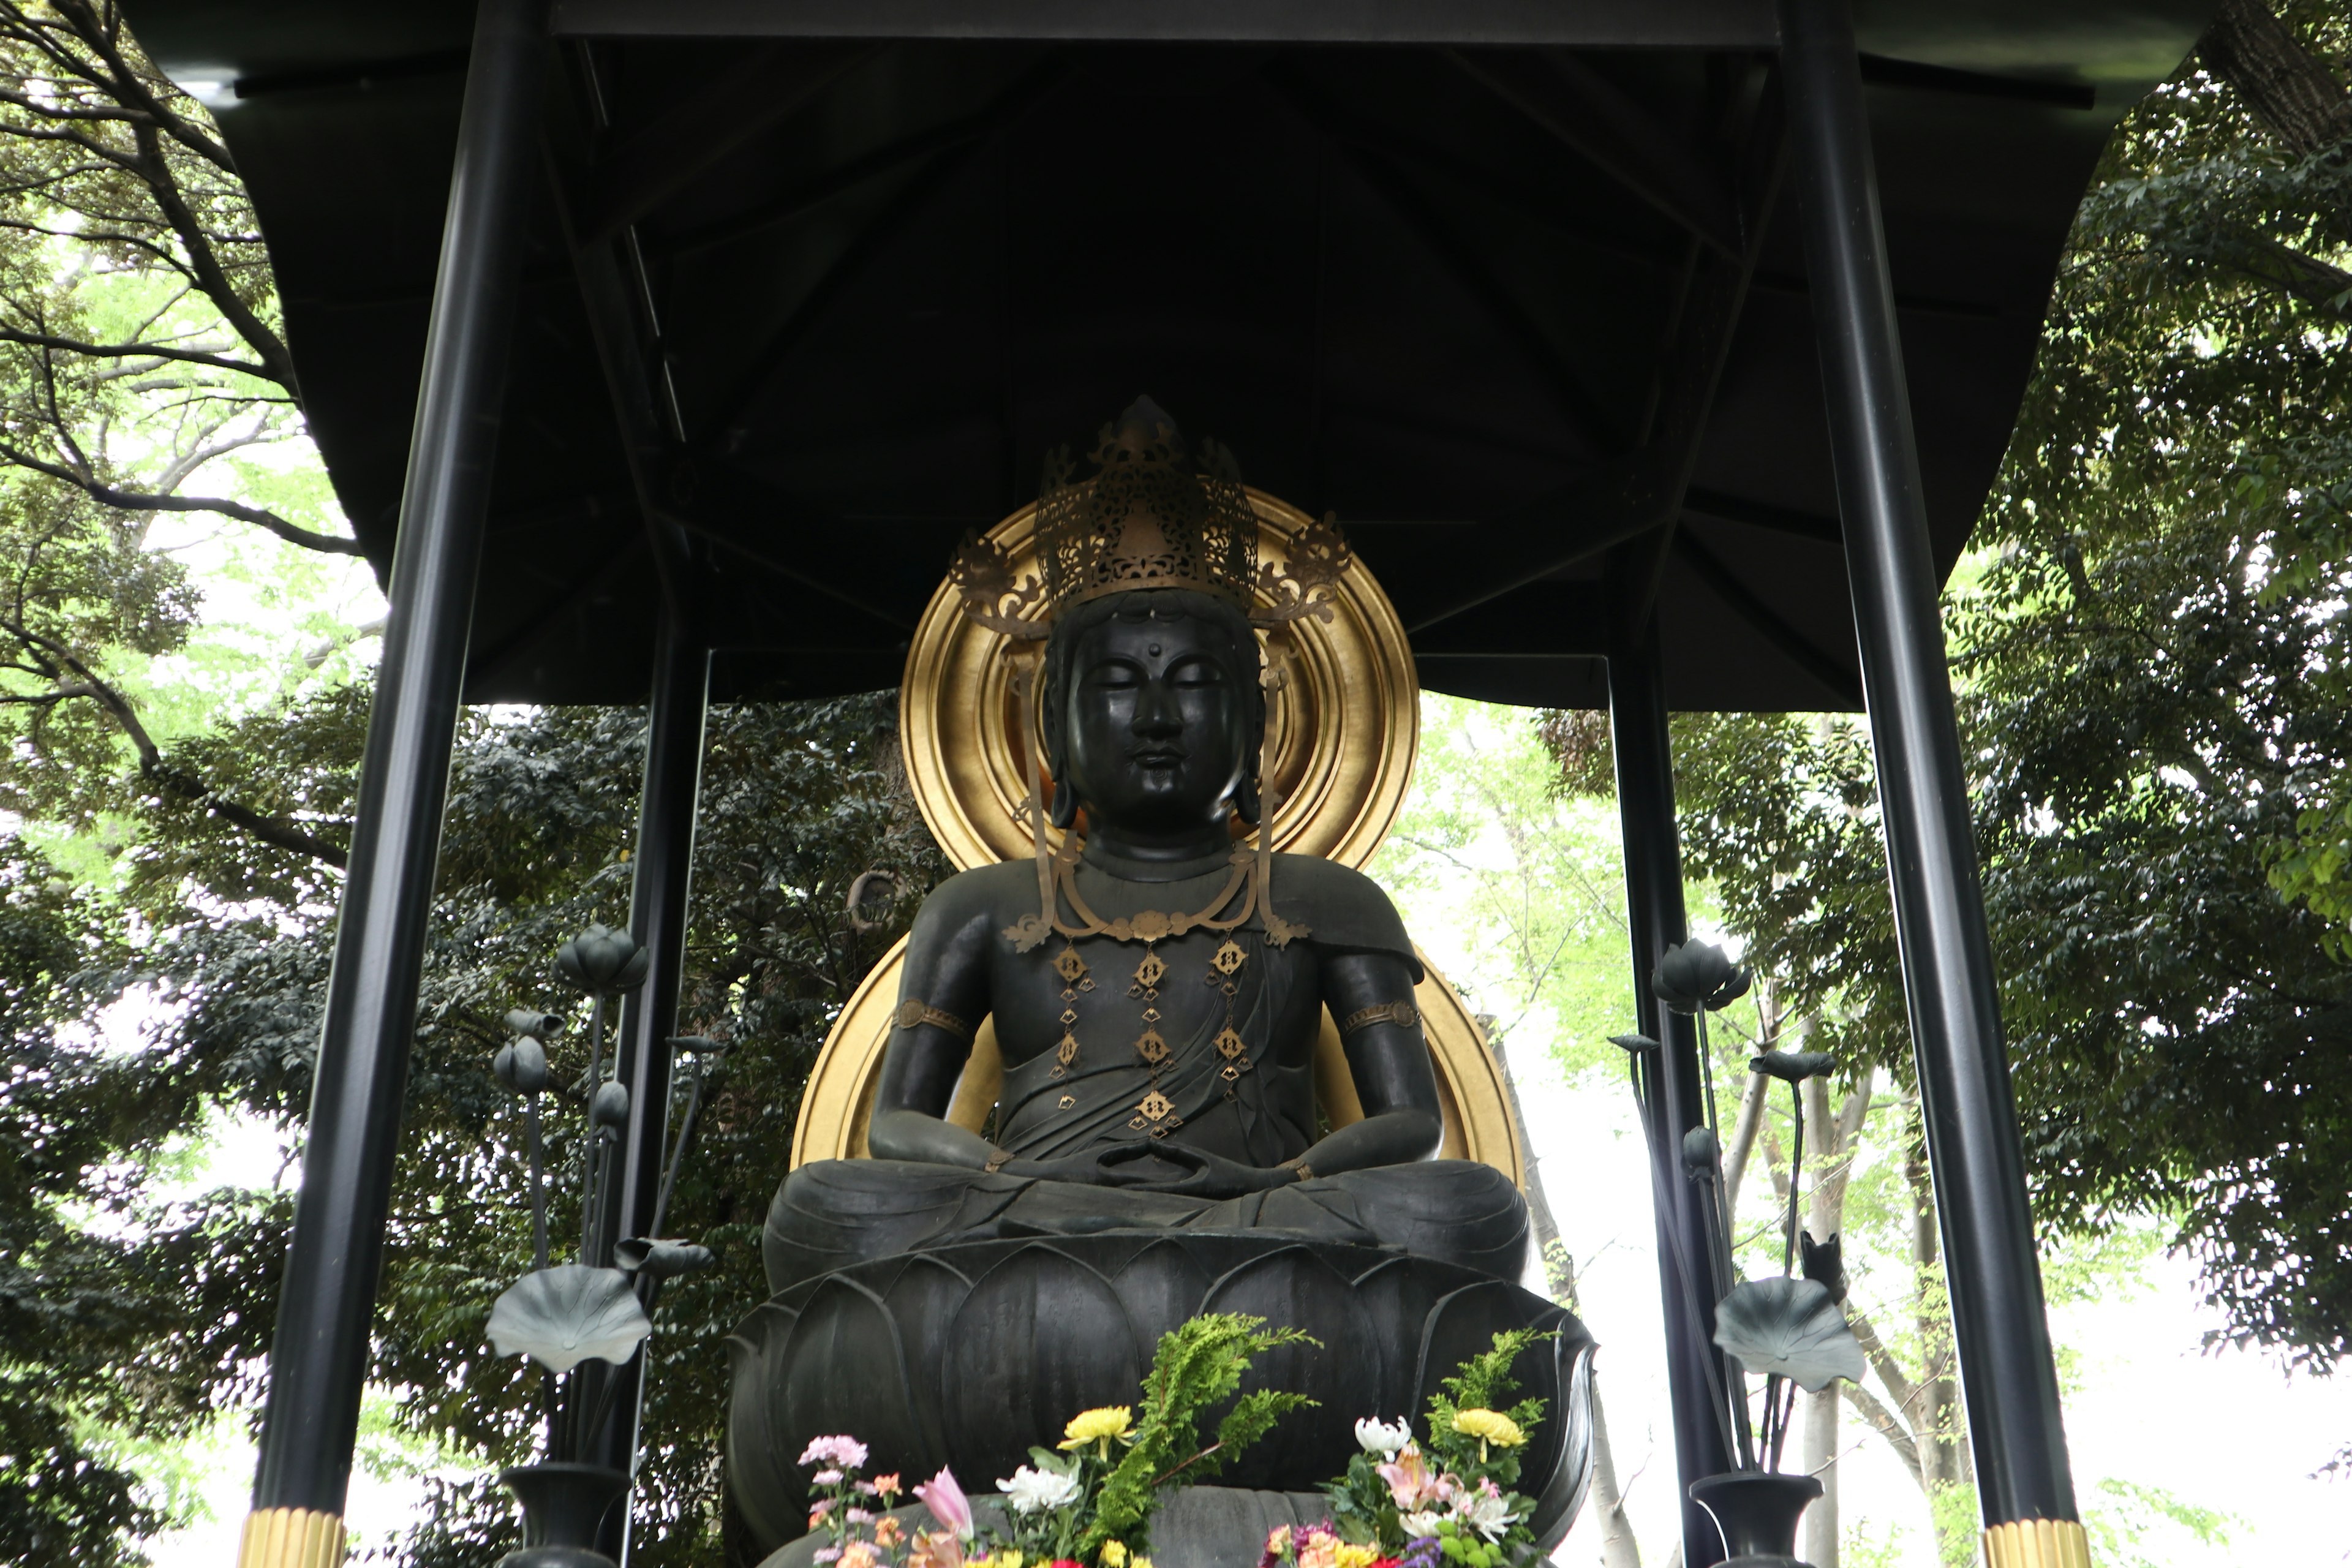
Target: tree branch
x,y
203,264
1889,1427
133,501
2289,89
1881,1360
127,350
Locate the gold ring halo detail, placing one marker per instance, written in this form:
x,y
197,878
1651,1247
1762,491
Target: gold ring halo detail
x,y
1344,726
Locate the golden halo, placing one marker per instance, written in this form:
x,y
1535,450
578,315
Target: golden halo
x,y
1344,725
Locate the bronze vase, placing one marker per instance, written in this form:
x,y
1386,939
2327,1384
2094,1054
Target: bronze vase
x,y
1757,1512
563,1505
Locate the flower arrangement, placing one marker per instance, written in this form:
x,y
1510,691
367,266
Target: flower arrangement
x,y
1088,1501
1407,1504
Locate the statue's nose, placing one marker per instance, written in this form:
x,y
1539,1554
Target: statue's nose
x,y
1156,713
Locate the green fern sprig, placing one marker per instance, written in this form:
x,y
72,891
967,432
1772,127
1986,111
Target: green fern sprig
x,y
1196,1364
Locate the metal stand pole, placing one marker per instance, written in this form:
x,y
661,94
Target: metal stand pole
x,y
657,917
318,1362
1655,914
2006,1371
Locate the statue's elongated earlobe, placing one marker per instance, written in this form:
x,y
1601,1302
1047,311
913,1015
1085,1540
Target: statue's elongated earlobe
x,y
1245,802
1064,812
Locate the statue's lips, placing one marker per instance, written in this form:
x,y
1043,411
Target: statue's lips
x,y
1159,758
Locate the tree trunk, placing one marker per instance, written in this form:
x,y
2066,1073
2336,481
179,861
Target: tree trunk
x,y
1943,1447
1618,1547
2291,91
1831,1141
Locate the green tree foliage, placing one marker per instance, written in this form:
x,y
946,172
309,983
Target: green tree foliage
x,y
2151,663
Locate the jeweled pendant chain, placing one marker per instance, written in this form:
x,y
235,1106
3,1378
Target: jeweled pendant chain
x,y
1155,1112
1224,974
1074,979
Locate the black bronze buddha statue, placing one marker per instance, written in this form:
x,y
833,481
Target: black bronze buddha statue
x,y
1157,993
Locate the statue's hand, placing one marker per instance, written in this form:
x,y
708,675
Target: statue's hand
x,y
1192,1173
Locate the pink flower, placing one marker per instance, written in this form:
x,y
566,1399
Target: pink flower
x,y
1411,1482
828,1554
937,1549
860,1555
825,1479
846,1452
947,1502
859,1516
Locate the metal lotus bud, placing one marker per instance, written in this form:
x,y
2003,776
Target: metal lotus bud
x,y
661,1259
1634,1045
1699,1153
602,960
1695,974
1824,1261
521,1066
530,1021
610,1108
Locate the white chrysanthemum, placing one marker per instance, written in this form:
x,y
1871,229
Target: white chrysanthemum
x,y
1381,1438
1422,1524
1030,1491
1484,1511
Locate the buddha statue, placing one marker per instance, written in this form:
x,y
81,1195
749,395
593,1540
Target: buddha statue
x,y
1158,985
1157,991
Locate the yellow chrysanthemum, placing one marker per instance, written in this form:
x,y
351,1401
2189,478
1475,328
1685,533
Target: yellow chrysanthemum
x,y
1114,1555
1489,1426
1100,1425
1350,1555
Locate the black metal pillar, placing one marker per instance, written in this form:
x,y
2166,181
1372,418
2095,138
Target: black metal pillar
x,y
657,917
319,1362
2007,1374
1676,1098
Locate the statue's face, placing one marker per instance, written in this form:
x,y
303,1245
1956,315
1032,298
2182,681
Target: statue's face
x,y
1154,725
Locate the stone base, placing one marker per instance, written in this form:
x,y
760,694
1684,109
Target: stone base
x,y
1198,1527
969,1354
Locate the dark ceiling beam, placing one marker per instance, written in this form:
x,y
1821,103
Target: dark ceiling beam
x,y
806,194
769,358
1457,256
1746,25
1541,620
1722,507
626,324
1837,679
1636,500
699,126
1917,76
1588,113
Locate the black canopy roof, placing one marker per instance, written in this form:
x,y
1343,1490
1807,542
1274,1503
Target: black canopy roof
x,y
1510,285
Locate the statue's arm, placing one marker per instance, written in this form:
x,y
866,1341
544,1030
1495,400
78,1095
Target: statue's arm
x,y
1390,1063
947,969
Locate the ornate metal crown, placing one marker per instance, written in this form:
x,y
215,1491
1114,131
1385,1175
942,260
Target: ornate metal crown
x,y
1146,518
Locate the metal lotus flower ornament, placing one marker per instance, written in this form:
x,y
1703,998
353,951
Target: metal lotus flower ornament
x,y
563,1316
1791,1329
653,1260
1694,975
601,960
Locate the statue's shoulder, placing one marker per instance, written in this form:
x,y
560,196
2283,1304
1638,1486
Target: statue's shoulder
x,y
1007,888
1341,906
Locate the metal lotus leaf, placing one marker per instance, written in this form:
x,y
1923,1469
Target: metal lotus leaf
x,y
697,1045
1794,1067
521,1066
661,1259
1634,1045
530,1021
563,1316
602,960
611,1106
1695,974
1789,1328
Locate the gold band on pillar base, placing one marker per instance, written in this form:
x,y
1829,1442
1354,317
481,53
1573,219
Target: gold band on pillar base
x,y
2037,1543
291,1538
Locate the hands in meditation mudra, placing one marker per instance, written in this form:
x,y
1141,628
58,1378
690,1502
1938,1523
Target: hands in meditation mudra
x,y
1157,988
